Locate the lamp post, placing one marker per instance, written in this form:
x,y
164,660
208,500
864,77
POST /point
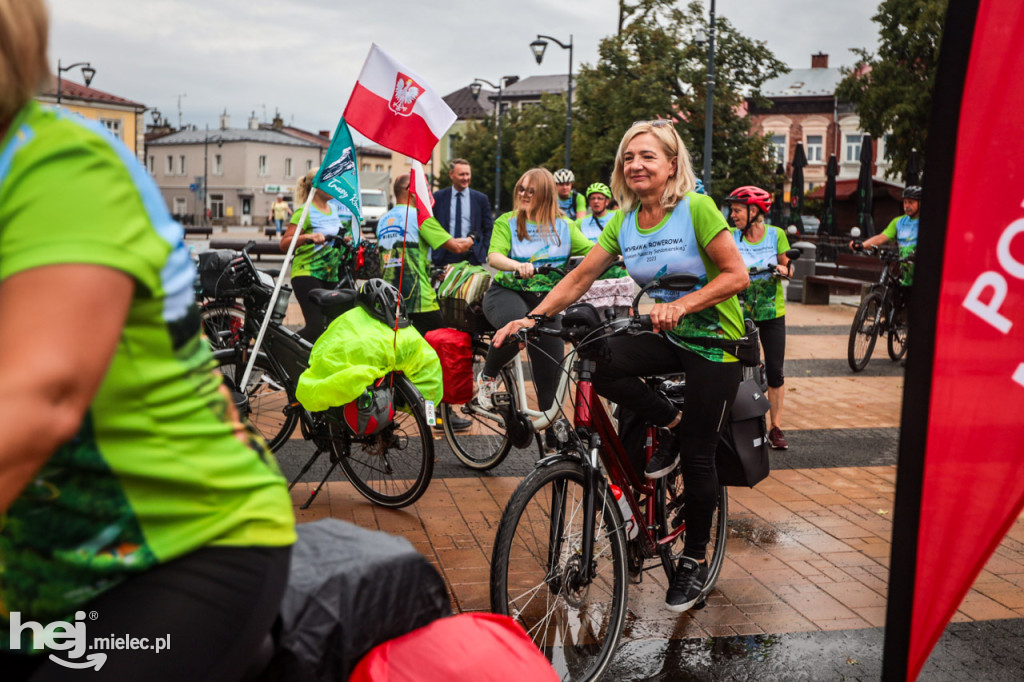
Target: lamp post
x,y
206,166
474,90
87,73
710,95
538,46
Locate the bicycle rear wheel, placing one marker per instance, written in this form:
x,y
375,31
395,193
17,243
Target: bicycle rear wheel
x,y
391,468
485,444
669,510
535,571
222,323
267,395
864,332
898,327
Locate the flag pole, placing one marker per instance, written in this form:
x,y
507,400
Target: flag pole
x,y
277,290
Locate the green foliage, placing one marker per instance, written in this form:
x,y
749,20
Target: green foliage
x,y
653,69
895,96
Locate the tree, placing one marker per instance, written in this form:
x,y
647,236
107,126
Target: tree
x,y
892,91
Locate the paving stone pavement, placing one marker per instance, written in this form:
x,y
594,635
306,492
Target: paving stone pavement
x,y
802,593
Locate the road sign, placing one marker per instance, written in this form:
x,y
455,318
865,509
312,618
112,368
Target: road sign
x,y
194,187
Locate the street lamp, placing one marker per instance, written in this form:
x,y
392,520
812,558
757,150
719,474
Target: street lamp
x,y
87,73
538,46
710,37
206,166
474,90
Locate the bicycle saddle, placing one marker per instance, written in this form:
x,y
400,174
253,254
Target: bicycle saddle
x,y
333,302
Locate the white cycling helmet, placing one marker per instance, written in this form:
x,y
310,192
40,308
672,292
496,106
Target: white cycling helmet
x,y
563,175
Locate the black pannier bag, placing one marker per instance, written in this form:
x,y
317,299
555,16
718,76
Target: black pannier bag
x,y
742,455
215,281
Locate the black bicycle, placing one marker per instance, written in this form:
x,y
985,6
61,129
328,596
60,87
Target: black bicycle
x,y
391,468
883,311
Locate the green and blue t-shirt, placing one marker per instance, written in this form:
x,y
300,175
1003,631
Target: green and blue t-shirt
x,y
322,260
591,226
554,248
903,231
567,207
763,299
161,464
398,235
675,246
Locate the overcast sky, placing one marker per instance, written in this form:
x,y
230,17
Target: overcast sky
x,y
302,57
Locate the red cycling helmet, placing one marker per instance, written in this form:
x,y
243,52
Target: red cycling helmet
x,y
751,196
370,412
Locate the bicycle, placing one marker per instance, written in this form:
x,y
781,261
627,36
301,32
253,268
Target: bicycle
x,y
392,468
883,310
563,550
493,432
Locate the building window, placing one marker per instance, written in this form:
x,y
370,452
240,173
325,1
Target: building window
x,y
113,125
152,165
452,139
179,207
853,147
261,165
218,164
815,144
288,168
309,165
181,165
778,151
170,165
216,205
380,168
365,168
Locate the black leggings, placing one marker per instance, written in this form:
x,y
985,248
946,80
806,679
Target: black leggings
x,y
316,322
773,340
501,306
710,391
214,607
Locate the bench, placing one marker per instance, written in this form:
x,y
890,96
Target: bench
x,y
270,248
854,274
198,230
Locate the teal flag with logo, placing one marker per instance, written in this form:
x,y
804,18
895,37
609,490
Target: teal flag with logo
x,y
338,175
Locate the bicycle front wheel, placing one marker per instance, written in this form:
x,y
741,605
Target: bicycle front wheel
x,y
391,468
266,392
670,511
898,327
485,444
864,332
536,576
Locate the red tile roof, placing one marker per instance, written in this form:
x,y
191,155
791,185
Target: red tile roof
x,y
73,90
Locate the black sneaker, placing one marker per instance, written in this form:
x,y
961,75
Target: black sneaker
x,y
687,584
666,457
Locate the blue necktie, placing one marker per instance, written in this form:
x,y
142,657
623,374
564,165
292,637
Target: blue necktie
x,y
458,215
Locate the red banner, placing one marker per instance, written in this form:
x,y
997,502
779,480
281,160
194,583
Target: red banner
x,y
973,483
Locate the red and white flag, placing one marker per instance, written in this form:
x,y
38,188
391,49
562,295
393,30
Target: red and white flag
x,y
394,107
422,195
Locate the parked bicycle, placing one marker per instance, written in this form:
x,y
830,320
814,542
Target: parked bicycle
x,y
493,432
564,552
883,311
392,468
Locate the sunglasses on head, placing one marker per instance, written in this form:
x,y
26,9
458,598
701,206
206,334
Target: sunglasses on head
x,y
656,123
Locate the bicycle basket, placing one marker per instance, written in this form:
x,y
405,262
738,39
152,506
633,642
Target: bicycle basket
x,y
460,296
216,280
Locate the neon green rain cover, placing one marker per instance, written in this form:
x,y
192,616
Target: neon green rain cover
x,y
358,349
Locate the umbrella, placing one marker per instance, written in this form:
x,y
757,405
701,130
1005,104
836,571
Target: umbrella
x,y
775,217
912,175
828,215
796,193
865,195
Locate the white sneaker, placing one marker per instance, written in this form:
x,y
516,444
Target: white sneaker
x,y
485,388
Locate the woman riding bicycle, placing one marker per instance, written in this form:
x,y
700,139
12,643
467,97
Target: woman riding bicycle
x,y
534,232
129,488
763,245
664,227
316,261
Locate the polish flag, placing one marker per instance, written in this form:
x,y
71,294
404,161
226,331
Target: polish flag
x,y
423,197
394,107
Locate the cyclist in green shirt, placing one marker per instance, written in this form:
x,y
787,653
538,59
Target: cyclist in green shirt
x,y
129,487
903,231
572,203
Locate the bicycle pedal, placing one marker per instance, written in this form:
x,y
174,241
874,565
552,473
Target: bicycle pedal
x,y
501,399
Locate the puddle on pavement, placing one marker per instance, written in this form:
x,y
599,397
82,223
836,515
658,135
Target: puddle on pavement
x,y
752,530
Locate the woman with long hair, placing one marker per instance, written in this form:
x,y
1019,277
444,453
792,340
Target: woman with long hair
x,y
664,227
317,259
535,232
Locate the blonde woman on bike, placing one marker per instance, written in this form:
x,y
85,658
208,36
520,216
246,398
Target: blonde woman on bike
x,y
664,227
534,232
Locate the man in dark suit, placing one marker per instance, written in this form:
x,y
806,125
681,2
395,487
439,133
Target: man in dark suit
x,y
463,212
